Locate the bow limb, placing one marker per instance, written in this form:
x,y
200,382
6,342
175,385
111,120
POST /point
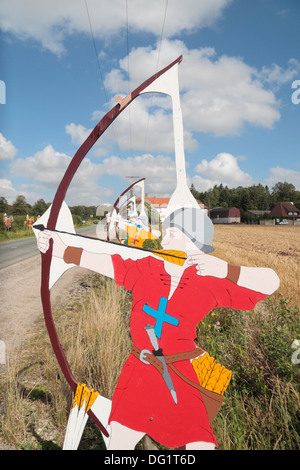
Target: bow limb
x,y
64,223
94,136
114,208
168,84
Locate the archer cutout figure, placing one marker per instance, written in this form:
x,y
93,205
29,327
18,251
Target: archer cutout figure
x,y
135,226
158,392
137,231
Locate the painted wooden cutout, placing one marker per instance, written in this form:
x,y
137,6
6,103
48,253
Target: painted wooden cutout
x,y
124,218
158,392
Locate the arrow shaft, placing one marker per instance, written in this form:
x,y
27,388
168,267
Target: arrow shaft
x,y
42,228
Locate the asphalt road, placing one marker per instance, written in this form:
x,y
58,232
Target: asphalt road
x,y
14,251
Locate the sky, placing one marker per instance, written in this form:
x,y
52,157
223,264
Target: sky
x,y
63,62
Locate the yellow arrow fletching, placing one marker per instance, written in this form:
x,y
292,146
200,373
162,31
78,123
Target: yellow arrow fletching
x,y
211,375
173,256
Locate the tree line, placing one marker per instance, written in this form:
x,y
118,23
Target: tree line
x,y
255,197
21,207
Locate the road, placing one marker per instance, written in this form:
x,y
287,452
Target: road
x,y
14,251
20,281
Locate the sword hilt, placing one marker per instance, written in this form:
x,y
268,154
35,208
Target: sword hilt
x,y
152,336
158,352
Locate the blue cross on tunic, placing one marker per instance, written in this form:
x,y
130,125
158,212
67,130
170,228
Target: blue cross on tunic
x,y
160,315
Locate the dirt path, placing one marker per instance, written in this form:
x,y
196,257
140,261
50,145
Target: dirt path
x,y
21,306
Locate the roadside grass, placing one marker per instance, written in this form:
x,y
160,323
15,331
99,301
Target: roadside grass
x,y
261,405
18,233
8,236
35,399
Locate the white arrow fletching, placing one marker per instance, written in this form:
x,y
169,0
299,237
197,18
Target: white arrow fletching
x,y
64,223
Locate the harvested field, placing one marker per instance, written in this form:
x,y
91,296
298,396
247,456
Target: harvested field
x,y
276,247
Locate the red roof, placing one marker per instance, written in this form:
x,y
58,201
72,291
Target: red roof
x,y
158,201
224,212
285,209
164,201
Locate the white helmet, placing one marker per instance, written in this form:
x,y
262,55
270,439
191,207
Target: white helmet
x,y
194,223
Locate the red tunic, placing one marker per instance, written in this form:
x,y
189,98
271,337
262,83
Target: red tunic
x,y
142,401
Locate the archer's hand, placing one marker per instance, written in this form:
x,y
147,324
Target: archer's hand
x,y
44,243
208,265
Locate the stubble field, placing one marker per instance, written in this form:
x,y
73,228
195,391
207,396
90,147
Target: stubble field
x,y
276,247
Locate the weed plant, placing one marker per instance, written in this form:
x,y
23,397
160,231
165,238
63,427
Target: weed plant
x,y
261,405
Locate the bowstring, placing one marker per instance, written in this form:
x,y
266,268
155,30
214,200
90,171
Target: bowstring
x,y
128,75
100,72
157,63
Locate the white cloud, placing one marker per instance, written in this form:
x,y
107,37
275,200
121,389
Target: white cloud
x,y
223,169
7,149
86,187
219,95
277,75
202,184
7,189
159,171
50,23
283,174
142,126
46,166
223,94
77,132
10,192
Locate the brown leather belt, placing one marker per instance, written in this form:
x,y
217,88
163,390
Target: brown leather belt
x,y
169,358
212,400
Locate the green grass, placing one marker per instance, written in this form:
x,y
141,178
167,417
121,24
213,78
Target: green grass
x,y
261,405
9,236
19,233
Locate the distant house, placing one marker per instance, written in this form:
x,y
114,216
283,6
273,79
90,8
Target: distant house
x,y
258,213
285,211
161,204
225,215
261,216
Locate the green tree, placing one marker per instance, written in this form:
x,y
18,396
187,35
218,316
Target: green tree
x,y
3,205
297,199
245,199
260,197
257,197
39,207
151,212
283,192
213,197
225,196
20,206
84,212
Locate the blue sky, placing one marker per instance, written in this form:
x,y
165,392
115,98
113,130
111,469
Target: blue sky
x,y
240,60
